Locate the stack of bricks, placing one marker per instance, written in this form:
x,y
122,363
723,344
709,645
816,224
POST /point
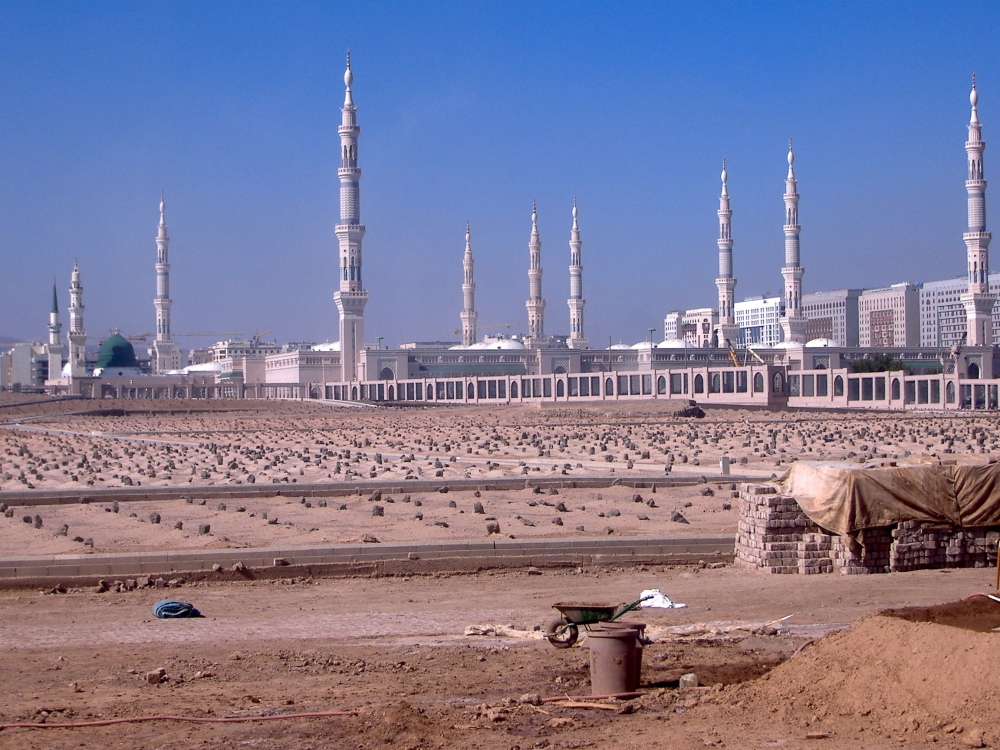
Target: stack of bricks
x,y
872,553
776,536
920,545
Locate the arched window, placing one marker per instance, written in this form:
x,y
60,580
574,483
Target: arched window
x,y
354,393
949,392
471,392
661,385
392,393
779,383
430,392
513,389
894,389
715,383
699,384
609,387
386,374
758,383
973,371
560,370
838,386
560,390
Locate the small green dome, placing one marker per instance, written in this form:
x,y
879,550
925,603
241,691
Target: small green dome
x,y
116,351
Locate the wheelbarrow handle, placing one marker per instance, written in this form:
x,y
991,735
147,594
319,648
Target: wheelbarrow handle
x,y
631,606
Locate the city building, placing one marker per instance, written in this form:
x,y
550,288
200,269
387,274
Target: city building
x,y
942,314
832,315
759,321
889,316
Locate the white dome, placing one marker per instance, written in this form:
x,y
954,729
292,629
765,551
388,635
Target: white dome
x,y
619,345
477,345
327,346
203,367
821,342
673,344
506,344
457,346
787,345
642,345
67,369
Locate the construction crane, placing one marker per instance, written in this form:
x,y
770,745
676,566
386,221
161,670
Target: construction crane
x,y
144,336
457,331
258,336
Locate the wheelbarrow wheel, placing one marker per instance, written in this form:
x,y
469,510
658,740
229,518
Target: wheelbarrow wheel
x,y
561,633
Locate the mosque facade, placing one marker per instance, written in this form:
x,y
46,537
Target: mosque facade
x,y
714,363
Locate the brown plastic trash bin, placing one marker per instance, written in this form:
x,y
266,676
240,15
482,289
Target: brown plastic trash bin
x,y
639,628
612,661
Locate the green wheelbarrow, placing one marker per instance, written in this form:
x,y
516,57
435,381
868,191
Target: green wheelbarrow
x,y
563,631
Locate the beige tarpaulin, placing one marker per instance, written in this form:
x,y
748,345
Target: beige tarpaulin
x,y
844,499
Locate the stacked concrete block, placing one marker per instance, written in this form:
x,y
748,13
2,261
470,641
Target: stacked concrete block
x,y
919,546
872,553
775,536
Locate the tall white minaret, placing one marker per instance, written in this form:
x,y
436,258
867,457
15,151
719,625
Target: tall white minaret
x,y
793,323
535,303
54,349
978,301
576,301
726,284
469,315
351,297
166,355
77,335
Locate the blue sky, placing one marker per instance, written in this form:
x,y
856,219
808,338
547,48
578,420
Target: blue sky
x,y
469,111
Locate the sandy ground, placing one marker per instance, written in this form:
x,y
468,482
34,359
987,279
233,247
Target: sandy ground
x,y
426,516
393,651
291,442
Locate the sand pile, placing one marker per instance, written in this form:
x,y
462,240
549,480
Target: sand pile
x,y
890,676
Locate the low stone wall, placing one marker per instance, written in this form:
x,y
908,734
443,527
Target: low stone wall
x,y
775,536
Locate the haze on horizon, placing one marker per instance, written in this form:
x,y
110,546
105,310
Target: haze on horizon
x,y
469,112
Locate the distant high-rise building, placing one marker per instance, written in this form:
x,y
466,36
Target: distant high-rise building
x,y
832,315
759,321
889,317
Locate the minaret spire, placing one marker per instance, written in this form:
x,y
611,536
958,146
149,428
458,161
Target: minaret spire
x,y
793,323
351,297
54,348
577,340
166,355
725,283
535,303
77,335
978,301
469,315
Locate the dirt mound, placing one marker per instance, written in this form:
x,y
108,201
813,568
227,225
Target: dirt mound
x,y
887,676
980,613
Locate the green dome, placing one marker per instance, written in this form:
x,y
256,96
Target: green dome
x,y
116,351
